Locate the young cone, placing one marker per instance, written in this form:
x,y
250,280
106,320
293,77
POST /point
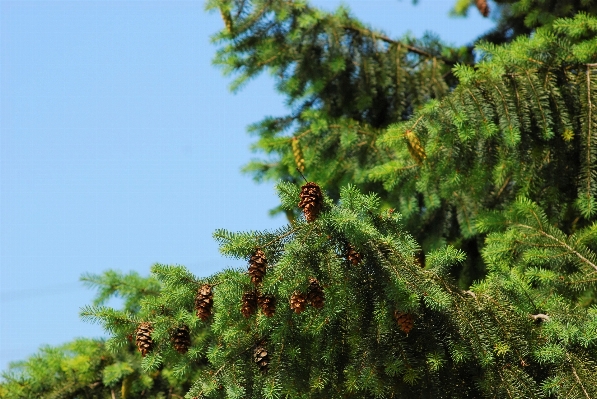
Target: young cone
x,y
417,152
298,302
143,338
315,294
181,339
405,321
267,304
204,302
257,266
261,358
249,305
298,155
311,201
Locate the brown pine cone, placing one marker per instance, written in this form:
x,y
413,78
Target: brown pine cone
x,y
315,294
267,304
298,302
483,7
257,266
181,339
204,302
249,305
261,358
311,201
405,321
143,338
353,256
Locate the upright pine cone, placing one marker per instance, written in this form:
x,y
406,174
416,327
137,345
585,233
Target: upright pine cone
x,y
257,266
144,341
483,7
352,255
261,358
267,304
315,293
204,302
249,305
311,200
181,339
298,302
405,321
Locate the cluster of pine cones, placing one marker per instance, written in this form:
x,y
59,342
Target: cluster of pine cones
x,y
253,299
314,296
311,202
180,337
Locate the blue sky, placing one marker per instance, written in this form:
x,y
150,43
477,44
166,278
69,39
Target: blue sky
x,y
121,146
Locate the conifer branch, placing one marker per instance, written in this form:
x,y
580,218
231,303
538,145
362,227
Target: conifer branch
x,y
589,132
578,380
561,244
410,48
278,238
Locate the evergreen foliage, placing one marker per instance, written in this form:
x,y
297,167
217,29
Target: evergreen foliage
x,y
344,82
438,138
95,369
523,331
468,271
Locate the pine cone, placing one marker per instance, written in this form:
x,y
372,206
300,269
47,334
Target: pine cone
x,y
315,294
298,302
249,304
267,304
311,201
204,302
483,7
257,266
405,321
261,358
143,338
353,256
181,339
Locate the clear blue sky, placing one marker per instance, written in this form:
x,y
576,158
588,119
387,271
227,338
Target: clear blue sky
x,y
121,146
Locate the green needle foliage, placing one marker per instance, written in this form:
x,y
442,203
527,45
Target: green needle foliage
x,y
91,368
438,137
469,271
344,83
524,331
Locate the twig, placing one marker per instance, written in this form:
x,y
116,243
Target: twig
x,y
298,170
577,377
409,47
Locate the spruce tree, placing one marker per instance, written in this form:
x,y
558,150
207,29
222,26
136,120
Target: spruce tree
x,y
468,270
